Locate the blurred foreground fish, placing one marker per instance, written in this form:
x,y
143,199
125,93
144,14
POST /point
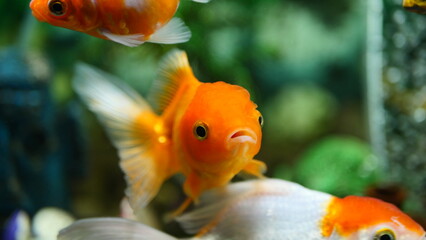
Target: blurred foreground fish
x,y
207,131
268,209
417,6
129,22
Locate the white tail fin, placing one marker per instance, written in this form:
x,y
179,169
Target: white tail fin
x,y
111,229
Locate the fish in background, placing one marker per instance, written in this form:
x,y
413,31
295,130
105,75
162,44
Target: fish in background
x,y
44,225
128,22
417,6
269,209
208,131
17,227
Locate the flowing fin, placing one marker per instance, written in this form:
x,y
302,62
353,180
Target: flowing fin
x,y
212,205
121,111
171,216
255,168
174,71
173,32
133,40
201,1
111,229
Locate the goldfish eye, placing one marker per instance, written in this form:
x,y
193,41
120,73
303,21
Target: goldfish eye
x,y
57,7
260,120
385,234
200,130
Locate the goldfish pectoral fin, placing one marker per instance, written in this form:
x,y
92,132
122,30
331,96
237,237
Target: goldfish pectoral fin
x,y
132,40
174,71
171,216
256,168
119,108
175,31
110,229
201,1
334,235
214,204
197,221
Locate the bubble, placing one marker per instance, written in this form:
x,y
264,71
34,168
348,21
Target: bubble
x,y
419,115
399,17
394,75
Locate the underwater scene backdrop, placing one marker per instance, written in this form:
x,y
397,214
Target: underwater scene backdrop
x,y
340,85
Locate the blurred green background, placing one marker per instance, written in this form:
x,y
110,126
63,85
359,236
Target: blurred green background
x,y
302,61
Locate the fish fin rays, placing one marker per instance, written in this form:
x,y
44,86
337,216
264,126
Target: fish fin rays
x,y
195,220
111,229
132,40
201,1
173,72
213,204
175,31
128,120
143,180
256,168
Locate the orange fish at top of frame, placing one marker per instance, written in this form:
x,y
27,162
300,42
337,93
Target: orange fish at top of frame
x,y
129,22
417,6
209,132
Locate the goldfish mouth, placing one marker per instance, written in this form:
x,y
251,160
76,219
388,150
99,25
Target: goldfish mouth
x,y
36,13
244,135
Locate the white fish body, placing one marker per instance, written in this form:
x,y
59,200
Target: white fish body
x,y
262,209
265,209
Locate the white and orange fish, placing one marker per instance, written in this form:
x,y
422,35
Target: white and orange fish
x,y
268,209
209,132
129,22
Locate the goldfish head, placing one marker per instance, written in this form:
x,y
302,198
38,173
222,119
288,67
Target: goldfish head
x,y
367,218
221,123
78,15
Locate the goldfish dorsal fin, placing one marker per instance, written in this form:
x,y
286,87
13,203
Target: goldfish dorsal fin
x,y
175,31
111,229
174,70
119,108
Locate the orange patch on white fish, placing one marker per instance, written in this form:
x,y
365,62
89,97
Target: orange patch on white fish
x,y
346,215
128,22
208,131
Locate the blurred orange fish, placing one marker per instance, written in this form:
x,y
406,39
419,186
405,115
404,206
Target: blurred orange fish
x,y
207,131
129,22
417,6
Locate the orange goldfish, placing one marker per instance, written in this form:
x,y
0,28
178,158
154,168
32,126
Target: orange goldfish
x,y
417,6
207,131
129,22
267,209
